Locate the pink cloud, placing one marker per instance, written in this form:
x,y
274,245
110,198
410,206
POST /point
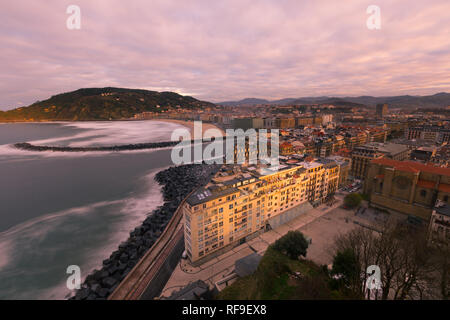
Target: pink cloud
x,y
221,50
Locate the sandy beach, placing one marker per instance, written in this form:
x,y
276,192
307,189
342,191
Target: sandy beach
x,y
190,125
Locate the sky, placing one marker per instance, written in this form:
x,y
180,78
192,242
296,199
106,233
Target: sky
x,y
219,50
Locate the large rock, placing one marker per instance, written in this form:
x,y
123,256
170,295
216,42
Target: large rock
x,y
109,282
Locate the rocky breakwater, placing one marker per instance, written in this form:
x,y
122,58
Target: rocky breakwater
x,y
126,147
177,183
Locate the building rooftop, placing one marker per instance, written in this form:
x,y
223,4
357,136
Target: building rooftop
x,y
310,165
416,166
231,178
388,148
205,194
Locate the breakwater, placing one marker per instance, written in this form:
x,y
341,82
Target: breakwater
x,y
126,147
177,183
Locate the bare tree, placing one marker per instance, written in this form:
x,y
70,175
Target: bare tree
x,y
408,265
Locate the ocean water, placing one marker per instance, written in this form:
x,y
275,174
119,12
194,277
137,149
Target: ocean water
x,y
61,209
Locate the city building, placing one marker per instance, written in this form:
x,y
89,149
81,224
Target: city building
x,y
382,110
423,153
344,168
435,134
269,123
241,202
327,118
355,138
286,148
284,123
248,123
362,155
303,121
439,229
408,187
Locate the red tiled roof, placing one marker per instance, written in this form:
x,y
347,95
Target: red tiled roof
x,y
412,166
426,184
407,168
444,187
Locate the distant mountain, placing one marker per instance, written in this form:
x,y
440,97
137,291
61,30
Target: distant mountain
x,y
101,104
438,100
243,102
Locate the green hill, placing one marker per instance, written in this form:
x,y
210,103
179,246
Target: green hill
x,y
101,104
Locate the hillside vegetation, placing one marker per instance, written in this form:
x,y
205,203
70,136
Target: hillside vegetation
x,y
101,104
280,278
283,274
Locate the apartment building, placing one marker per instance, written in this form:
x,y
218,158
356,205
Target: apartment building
x,y
439,228
355,139
429,133
285,123
303,121
248,123
382,110
344,168
241,202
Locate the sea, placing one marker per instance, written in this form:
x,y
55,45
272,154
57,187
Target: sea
x,y
59,209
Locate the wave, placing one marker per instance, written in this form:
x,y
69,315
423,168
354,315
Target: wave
x,y
98,134
35,254
103,133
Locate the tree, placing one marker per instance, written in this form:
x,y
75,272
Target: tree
x,y
352,200
293,244
401,252
346,267
443,263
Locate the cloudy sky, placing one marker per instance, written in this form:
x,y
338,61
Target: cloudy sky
x,y
220,50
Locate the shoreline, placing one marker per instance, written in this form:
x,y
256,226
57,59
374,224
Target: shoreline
x,y
186,123
190,125
176,183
